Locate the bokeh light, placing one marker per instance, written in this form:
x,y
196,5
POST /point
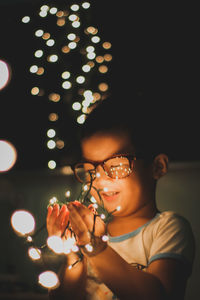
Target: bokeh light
x,y
8,155
5,74
23,222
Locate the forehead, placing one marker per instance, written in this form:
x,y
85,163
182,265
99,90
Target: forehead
x,y
101,146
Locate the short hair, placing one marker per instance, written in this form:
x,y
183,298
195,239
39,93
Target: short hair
x,y
137,118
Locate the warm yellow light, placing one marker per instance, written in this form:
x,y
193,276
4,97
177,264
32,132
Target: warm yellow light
x,y
53,117
35,90
106,45
108,57
61,22
33,69
65,49
48,279
69,245
99,59
34,253
46,36
4,74
54,97
53,200
92,30
73,17
103,86
60,144
40,71
103,69
90,49
91,55
23,222
8,155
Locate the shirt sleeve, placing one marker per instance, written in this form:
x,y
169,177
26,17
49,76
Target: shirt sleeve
x,y
173,238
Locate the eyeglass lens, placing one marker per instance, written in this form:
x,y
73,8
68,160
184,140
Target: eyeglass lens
x,y
116,168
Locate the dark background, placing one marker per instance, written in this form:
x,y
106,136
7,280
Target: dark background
x,y
154,48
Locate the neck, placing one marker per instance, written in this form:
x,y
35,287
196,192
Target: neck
x,y
127,223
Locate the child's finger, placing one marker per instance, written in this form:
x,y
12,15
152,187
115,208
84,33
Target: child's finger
x,y
78,225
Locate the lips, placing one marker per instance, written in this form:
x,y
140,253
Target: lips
x,y
110,196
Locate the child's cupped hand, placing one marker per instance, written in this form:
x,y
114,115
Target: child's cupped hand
x,y
82,221
57,219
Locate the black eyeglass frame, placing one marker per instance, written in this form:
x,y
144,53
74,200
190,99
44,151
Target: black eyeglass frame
x,y
130,157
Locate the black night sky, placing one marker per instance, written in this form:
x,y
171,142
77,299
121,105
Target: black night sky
x,y
154,48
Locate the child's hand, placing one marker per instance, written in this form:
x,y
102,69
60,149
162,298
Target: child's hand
x,y
57,219
82,220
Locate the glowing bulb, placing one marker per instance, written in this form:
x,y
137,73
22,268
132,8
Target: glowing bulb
x,y
53,200
91,55
34,253
80,79
51,133
118,208
65,75
55,243
105,189
72,45
8,156
76,106
51,144
66,85
89,247
76,24
4,74
95,39
38,53
48,279
85,5
50,42
67,194
53,58
81,119
71,36
93,200
23,222
26,19
51,164
39,32
86,68
75,7
105,238
33,69
53,10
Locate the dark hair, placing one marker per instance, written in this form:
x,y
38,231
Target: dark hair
x,y
136,118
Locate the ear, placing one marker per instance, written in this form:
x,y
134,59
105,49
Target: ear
x,y
160,165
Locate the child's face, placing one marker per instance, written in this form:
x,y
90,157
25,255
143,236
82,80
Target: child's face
x,y
131,193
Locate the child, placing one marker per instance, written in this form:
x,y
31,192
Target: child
x,y
149,254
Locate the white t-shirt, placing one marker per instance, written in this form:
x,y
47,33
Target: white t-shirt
x,y
167,235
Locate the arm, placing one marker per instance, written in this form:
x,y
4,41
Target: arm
x,y
72,281
164,279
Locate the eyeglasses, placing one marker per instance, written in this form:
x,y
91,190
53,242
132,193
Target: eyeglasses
x,y
116,167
